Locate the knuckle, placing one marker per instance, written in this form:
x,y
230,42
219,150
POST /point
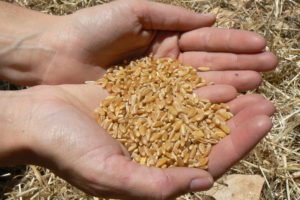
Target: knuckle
x,y
162,184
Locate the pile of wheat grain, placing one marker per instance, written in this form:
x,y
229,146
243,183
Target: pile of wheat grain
x,y
154,113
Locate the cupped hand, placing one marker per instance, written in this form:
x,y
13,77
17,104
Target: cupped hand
x,y
85,43
59,132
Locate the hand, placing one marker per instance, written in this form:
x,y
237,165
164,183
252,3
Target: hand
x,y
53,126
85,43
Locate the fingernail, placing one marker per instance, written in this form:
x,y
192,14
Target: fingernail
x,y
201,184
258,41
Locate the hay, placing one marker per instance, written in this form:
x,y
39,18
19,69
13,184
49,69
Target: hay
x,y
276,157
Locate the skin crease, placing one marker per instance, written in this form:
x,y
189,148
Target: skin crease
x,y
114,39
59,118
79,47
53,126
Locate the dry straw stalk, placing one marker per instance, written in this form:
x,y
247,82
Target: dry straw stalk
x,y
278,21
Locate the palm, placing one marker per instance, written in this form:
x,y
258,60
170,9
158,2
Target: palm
x,y
76,148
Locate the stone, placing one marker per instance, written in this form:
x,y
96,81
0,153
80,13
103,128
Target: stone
x,y
237,187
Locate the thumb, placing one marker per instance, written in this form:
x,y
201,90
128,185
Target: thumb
x,y
160,16
141,182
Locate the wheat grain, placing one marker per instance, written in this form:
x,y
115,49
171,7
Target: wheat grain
x,y
154,113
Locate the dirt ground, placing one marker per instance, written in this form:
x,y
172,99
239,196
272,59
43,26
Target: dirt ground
x,y
276,158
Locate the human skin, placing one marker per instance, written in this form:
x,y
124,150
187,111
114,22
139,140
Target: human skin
x,y
53,126
41,49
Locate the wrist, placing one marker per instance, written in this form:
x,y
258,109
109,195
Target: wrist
x,y
21,48
14,148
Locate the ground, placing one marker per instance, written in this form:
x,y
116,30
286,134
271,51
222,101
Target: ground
x,y
276,158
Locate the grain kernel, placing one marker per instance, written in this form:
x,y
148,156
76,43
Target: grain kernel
x,y
224,128
143,160
152,111
161,161
203,69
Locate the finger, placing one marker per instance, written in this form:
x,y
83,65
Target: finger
x,y
140,182
173,18
163,45
217,93
222,40
241,80
262,107
243,102
262,62
236,145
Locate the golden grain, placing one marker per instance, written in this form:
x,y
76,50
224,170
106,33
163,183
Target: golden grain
x,y
203,69
153,112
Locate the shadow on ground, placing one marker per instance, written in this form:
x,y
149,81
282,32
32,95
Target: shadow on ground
x,y
10,177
